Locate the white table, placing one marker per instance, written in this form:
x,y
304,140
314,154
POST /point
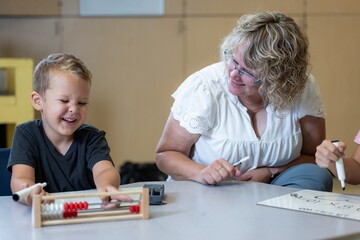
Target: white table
x,y
193,211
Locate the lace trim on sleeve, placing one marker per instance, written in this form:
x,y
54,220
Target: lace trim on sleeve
x,y
192,106
192,124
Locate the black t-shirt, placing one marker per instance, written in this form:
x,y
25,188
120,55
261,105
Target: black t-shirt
x,y
71,172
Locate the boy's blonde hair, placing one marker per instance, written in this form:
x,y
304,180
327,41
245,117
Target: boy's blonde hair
x,y
58,62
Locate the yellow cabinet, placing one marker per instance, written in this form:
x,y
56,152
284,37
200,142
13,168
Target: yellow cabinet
x,y
15,102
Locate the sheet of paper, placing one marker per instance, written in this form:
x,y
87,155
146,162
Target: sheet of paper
x,y
325,203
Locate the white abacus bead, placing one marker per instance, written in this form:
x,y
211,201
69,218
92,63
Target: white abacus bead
x,y
58,212
59,215
56,207
61,211
52,211
44,216
52,207
48,211
44,210
47,207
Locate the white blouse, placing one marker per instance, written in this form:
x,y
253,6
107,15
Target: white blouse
x,y
203,105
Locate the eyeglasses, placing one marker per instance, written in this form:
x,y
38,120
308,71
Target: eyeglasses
x,y
243,72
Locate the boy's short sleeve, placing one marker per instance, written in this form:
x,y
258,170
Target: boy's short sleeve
x,y
97,148
193,105
24,147
357,138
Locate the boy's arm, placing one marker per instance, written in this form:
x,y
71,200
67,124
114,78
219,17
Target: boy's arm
x,y
352,167
107,179
23,176
105,175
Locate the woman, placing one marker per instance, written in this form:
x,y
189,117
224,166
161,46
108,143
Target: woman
x,y
260,101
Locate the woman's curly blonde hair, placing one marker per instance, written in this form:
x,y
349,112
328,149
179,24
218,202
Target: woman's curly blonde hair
x,y
277,51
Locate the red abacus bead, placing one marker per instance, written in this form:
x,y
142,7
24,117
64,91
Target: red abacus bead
x,y
86,205
78,206
132,209
71,205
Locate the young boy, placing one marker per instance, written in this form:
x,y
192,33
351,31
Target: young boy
x,y
60,149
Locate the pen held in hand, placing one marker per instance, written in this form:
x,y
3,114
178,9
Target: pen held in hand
x,y
22,194
340,167
241,161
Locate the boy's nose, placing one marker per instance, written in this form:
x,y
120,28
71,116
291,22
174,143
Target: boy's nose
x,y
72,108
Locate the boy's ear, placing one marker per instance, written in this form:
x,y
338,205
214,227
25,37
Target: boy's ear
x,y
36,100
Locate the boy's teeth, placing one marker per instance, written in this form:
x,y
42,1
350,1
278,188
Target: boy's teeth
x,y
69,120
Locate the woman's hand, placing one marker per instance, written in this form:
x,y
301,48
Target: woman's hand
x,y
256,175
218,171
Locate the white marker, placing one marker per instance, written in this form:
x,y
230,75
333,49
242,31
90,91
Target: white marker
x,y
22,194
340,168
241,161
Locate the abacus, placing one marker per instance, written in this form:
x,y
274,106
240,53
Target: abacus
x,y
79,212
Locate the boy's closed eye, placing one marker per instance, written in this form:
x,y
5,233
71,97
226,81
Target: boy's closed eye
x,y
83,103
79,103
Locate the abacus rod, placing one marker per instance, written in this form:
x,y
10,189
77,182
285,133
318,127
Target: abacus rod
x,y
102,213
94,194
110,203
94,219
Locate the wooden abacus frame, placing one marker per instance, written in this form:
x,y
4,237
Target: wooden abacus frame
x,y
122,214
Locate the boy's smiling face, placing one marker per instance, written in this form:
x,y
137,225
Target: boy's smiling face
x,y
64,107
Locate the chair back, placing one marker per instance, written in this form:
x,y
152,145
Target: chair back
x,y
5,176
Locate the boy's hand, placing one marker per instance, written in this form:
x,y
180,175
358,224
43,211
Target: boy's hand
x,y
37,191
114,198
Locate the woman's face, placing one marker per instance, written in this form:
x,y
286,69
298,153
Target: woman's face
x,y
241,78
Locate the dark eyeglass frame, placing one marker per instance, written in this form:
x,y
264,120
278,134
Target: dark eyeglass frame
x,y
240,71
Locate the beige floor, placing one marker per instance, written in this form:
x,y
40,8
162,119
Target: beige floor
x,y
349,189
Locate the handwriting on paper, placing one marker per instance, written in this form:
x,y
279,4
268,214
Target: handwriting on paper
x,y
325,203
